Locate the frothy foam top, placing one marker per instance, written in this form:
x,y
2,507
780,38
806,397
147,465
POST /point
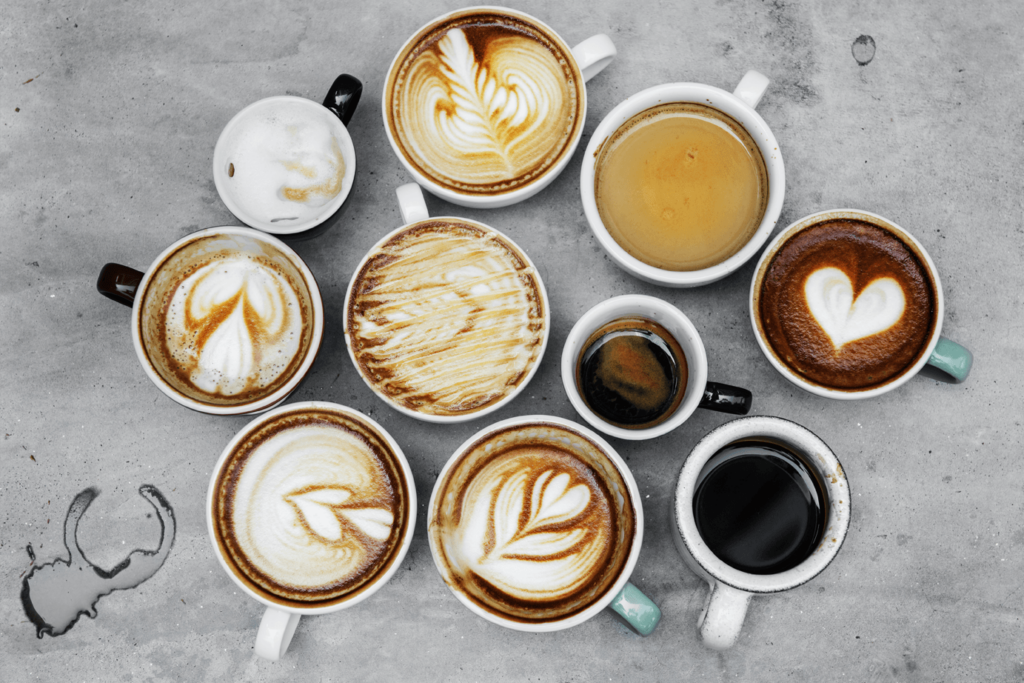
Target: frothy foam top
x,y
829,295
446,318
484,104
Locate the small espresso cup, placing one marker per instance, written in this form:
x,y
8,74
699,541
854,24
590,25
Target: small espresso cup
x,y
484,106
698,392
446,319
730,589
286,164
848,305
739,107
535,524
227,321
297,519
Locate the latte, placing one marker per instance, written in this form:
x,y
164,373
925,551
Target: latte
x,y
484,103
847,305
310,507
446,317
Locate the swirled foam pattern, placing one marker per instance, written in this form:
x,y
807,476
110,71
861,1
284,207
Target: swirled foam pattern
x,y
446,318
485,104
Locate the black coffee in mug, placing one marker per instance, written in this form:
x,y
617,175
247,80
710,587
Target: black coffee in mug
x,y
759,507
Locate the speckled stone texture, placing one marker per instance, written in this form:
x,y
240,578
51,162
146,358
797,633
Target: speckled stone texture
x,y
108,117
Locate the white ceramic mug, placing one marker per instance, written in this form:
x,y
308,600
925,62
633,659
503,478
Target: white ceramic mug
x,y
740,106
591,57
280,620
698,393
730,589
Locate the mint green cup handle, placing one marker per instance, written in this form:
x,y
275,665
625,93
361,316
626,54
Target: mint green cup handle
x,y
952,359
637,609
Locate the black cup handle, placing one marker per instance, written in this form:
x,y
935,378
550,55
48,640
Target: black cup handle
x,y
343,97
726,399
118,283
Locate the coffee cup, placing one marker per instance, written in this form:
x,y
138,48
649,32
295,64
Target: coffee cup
x,y
286,164
310,510
535,524
848,305
634,367
446,319
683,183
771,538
484,106
227,321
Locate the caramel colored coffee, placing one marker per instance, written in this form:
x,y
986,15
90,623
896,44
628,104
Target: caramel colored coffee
x,y
847,305
681,186
310,508
533,523
484,103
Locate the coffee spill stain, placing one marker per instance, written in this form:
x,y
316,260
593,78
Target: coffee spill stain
x,y
231,170
56,594
864,49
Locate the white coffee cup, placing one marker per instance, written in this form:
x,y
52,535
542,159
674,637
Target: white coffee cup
x,y
591,57
731,589
698,393
739,105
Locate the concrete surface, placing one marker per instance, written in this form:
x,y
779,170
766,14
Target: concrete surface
x,y
108,117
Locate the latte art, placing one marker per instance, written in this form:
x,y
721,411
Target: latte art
x,y
830,300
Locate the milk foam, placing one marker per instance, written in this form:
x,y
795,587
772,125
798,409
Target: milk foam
x,y
233,325
312,507
829,296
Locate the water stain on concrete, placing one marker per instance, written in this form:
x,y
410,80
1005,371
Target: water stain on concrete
x,y
863,49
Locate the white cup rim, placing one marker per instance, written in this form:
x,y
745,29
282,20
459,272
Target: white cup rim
x,y
815,452
400,552
624,306
701,94
252,407
348,151
501,199
627,568
810,221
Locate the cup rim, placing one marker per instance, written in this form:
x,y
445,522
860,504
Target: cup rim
x,y
326,211
400,552
466,417
816,453
699,93
812,220
634,551
251,407
501,199
618,307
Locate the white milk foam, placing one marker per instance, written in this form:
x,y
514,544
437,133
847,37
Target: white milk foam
x,y
285,164
829,296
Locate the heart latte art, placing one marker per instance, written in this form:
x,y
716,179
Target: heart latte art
x,y
485,103
830,300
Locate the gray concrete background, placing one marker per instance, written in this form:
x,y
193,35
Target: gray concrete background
x,y
105,156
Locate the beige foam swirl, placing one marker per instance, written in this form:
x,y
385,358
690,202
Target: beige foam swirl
x,y
446,319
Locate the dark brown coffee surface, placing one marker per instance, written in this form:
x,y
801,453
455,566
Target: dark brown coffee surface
x,y
865,253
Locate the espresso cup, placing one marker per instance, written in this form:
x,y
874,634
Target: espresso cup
x,y
535,524
446,319
310,510
630,381
848,305
484,106
730,588
227,321
286,164
734,115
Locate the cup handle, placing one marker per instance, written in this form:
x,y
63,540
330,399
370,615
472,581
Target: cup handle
x,y
343,97
411,203
751,88
275,634
594,54
119,283
638,610
726,399
720,622
952,359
